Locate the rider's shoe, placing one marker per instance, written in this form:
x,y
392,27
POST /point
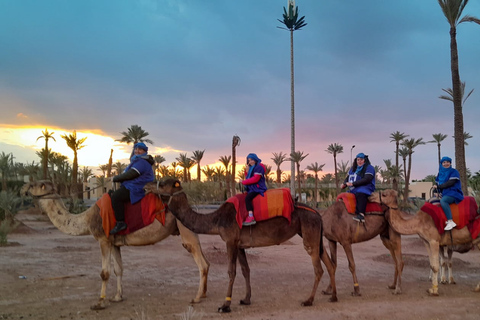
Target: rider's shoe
x,y
450,225
119,226
249,221
359,217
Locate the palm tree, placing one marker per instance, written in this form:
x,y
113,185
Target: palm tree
x,y
46,135
86,173
186,163
225,160
110,162
410,144
343,168
278,159
452,9
158,161
74,144
133,135
235,143
103,168
292,23
316,168
335,148
397,136
174,166
6,163
197,157
438,138
119,167
209,173
296,158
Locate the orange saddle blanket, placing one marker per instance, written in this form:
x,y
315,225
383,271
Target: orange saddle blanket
x,y
137,215
350,203
463,214
274,203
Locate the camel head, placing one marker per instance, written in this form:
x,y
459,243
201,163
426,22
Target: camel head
x,y
164,188
388,197
38,188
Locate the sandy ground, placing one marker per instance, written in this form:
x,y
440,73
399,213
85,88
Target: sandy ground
x,y
62,281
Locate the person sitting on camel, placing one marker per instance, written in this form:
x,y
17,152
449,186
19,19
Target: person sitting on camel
x,y
136,175
254,184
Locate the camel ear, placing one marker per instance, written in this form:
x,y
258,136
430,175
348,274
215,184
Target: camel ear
x,y
177,184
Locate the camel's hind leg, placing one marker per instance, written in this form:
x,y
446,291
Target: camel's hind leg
x,y
106,249
433,249
242,258
118,269
232,252
333,253
351,265
331,272
394,245
191,243
312,242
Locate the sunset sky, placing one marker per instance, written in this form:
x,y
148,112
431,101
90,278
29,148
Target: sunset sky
x,y
195,73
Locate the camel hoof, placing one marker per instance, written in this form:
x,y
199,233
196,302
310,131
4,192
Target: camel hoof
x,y
98,306
116,299
307,303
356,294
477,289
245,302
395,292
333,299
195,301
224,309
432,293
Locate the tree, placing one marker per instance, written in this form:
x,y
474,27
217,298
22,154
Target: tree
x,y
74,144
438,138
466,136
343,168
110,162
225,160
410,144
235,143
292,23
158,161
119,167
133,135
296,158
397,136
209,173
86,173
6,164
335,149
452,9
46,135
197,157
278,159
316,168
103,168
186,163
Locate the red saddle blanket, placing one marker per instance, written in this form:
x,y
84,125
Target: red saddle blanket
x,y
350,203
274,203
463,214
137,215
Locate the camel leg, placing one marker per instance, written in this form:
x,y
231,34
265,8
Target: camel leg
x,y
232,252
331,272
333,253
106,249
118,269
449,266
434,265
351,265
191,243
242,258
394,245
443,265
314,252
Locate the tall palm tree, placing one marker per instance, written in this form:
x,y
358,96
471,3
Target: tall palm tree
x,y
158,162
438,138
316,168
208,172
133,135
6,162
278,159
74,144
174,166
186,163
452,9
397,136
235,143
296,158
343,168
197,157
46,135
225,160
410,144
292,23
335,149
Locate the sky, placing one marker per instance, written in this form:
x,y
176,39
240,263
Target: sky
x,y
195,73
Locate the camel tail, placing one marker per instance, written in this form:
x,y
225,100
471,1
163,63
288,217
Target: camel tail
x,y
321,240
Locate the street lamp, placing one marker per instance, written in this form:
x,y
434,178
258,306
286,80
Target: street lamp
x,y
351,159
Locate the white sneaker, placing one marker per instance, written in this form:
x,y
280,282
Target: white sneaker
x,y
450,225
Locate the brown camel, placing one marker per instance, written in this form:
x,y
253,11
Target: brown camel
x,y
338,226
423,225
90,222
304,222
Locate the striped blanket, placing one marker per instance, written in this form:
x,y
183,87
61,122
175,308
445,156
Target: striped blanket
x,y
463,214
275,203
350,204
137,216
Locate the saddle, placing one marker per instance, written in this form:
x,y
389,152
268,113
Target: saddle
x,y
137,216
274,203
350,204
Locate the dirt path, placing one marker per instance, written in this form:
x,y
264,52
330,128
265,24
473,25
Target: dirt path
x,y
62,281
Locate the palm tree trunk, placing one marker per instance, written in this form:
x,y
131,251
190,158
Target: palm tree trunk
x,y
292,117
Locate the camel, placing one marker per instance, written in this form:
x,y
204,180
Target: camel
x,y
90,222
423,225
338,226
305,222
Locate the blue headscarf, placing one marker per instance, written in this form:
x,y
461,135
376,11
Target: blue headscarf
x,y
444,173
361,156
257,160
142,146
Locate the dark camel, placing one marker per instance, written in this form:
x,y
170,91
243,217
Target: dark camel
x,y
90,222
422,224
304,222
338,226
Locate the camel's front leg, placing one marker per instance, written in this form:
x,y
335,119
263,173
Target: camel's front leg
x,y
242,258
106,249
351,265
394,245
434,264
232,252
449,266
118,269
333,253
